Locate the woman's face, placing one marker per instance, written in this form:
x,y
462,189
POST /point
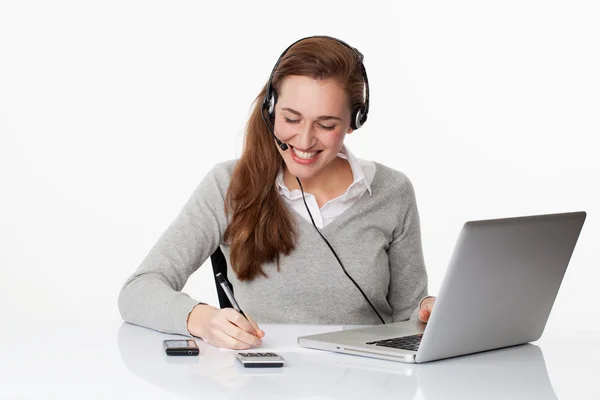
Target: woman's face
x,y
312,117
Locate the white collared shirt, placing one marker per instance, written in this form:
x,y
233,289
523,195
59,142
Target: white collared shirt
x,y
363,172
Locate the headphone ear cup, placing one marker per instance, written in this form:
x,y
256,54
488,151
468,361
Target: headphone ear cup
x,y
358,118
272,102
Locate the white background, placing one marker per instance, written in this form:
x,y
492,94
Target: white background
x,y
112,112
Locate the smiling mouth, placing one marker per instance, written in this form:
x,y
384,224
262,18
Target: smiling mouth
x,y
305,155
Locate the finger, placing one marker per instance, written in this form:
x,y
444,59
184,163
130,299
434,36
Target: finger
x,y
238,319
428,304
424,314
239,334
224,340
235,331
259,332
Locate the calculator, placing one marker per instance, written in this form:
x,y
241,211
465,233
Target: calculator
x,y
260,360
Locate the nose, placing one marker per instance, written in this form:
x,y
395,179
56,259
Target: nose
x,y
305,138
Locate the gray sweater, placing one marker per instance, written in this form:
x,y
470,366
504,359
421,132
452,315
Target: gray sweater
x,y
378,239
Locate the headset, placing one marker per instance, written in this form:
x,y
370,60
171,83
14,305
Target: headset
x,y
359,114
359,117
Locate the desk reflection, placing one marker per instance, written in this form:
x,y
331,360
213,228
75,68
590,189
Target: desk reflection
x,y
513,373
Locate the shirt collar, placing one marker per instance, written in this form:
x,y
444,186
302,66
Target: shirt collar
x,y
357,170
345,153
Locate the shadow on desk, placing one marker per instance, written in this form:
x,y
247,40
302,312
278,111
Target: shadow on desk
x,y
515,373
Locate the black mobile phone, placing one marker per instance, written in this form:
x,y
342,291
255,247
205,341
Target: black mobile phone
x,y
181,347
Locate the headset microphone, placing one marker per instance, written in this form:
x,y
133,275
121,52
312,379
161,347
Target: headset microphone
x,y
283,146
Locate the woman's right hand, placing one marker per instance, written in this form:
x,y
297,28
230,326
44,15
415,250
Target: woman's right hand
x,y
224,327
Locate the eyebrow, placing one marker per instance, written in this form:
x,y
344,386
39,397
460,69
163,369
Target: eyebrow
x,y
321,118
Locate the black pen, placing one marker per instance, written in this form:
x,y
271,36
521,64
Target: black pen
x,y
229,294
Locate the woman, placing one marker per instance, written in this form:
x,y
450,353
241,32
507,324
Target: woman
x,y
311,234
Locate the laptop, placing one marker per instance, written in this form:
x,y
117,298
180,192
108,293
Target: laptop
x,y
498,291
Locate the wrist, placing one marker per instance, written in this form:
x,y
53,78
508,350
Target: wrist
x,y
197,319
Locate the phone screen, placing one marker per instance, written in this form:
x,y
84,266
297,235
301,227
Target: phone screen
x,y
177,343
180,343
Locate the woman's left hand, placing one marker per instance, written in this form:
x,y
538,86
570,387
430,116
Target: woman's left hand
x,y
426,308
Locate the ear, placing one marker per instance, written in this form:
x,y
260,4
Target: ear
x,y
350,130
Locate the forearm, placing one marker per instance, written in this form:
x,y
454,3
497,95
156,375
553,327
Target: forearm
x,y
408,285
151,302
152,295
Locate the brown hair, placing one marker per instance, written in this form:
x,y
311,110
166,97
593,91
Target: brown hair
x,y
261,226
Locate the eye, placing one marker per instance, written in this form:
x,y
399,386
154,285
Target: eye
x,y
291,121
327,128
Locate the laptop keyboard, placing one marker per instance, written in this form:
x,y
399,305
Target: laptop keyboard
x,y
404,342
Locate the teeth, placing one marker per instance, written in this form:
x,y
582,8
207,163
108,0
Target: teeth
x,y
304,155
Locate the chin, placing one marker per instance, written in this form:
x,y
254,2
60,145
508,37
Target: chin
x,y
302,171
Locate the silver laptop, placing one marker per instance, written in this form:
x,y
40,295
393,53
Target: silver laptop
x,y
498,291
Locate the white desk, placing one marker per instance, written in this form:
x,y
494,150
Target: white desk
x,y
118,360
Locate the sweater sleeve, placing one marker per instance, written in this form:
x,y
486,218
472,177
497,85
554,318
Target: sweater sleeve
x,y
151,296
408,276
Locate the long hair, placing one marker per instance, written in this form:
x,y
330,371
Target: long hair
x,y
261,226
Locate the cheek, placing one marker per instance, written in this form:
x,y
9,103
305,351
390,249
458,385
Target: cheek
x,y
332,139
284,131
